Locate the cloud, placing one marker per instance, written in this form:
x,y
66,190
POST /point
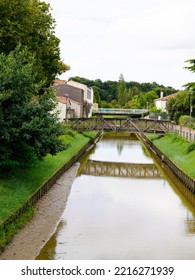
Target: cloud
x,y
145,40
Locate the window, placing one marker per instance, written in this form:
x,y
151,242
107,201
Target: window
x,y
88,94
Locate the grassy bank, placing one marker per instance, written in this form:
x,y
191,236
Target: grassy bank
x,y
178,149
17,188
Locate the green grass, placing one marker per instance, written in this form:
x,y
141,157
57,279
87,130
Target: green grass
x,y
8,231
17,188
179,150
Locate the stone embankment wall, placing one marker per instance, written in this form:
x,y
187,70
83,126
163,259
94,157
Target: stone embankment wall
x,y
184,178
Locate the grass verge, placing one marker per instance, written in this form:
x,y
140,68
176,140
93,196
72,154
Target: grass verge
x,y
17,188
178,149
9,230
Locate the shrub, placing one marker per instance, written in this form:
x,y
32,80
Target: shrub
x,y
184,119
191,148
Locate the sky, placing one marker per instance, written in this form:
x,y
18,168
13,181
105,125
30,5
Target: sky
x,y
145,40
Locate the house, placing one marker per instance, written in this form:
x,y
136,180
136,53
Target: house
x,y
70,101
88,96
161,103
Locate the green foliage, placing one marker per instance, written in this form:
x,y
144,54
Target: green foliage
x,y
28,128
155,110
147,99
121,91
29,23
191,147
177,149
127,94
183,119
134,103
105,104
179,105
114,104
16,188
7,232
192,65
96,98
187,121
89,134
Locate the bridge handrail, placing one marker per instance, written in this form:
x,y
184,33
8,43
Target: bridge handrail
x,y
120,111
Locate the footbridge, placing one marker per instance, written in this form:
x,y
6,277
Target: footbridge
x,y
117,169
122,112
138,125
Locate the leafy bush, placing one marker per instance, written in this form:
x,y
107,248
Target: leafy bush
x,y
191,148
183,119
8,231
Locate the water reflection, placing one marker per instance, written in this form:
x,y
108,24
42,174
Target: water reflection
x,y
124,218
121,169
109,149
48,252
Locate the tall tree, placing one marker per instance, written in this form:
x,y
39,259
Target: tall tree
x,y
96,97
29,23
121,91
28,128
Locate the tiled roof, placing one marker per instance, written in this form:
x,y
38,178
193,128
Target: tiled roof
x,y
165,98
65,100
62,99
59,82
71,92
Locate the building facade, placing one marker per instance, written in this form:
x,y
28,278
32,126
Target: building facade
x,y
88,96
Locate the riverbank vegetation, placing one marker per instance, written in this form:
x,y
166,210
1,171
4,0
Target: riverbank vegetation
x,y
178,149
29,62
17,188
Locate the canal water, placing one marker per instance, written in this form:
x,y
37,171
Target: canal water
x,y
123,206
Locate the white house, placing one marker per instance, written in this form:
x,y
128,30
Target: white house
x,y
70,101
67,108
161,103
88,94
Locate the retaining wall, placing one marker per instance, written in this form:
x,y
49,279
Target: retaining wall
x,y
184,178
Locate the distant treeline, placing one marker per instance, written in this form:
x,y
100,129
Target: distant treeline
x,y
108,90
122,94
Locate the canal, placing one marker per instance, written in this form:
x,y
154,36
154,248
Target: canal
x,y
122,205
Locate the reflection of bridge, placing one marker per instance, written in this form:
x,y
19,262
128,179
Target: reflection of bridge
x,y
120,124
115,169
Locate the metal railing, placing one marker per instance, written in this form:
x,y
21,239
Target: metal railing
x,y
116,111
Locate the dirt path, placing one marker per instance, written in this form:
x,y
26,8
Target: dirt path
x,y
27,243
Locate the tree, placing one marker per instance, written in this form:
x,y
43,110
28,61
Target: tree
x,y
96,97
147,99
111,90
134,103
29,23
192,65
121,91
29,129
179,105
191,85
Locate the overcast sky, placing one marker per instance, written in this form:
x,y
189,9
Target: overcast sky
x,y
145,40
